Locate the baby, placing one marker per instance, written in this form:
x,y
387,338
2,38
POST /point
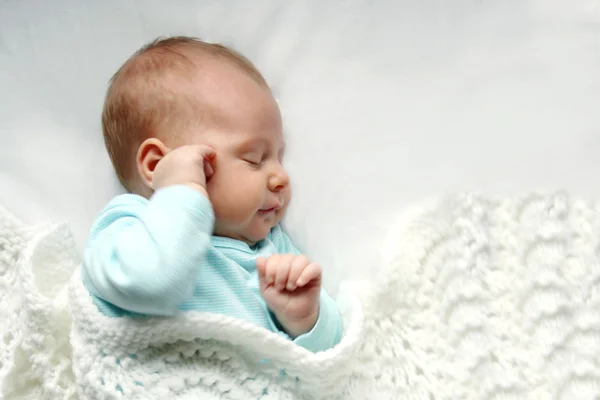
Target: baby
x,y
195,136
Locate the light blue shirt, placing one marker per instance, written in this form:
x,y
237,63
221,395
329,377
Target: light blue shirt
x,y
158,257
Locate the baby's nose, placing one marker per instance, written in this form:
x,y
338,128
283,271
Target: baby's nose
x,y
279,180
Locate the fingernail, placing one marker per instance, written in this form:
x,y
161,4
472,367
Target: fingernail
x,y
301,282
290,286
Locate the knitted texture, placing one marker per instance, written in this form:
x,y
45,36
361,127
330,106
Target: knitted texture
x,y
478,298
35,265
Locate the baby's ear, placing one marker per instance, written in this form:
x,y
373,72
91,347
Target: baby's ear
x,y
150,152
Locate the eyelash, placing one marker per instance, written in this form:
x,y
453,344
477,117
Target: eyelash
x,y
262,159
255,164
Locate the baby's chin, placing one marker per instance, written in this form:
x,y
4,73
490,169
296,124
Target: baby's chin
x,y
256,235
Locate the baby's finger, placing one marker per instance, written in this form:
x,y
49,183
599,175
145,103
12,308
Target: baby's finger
x,y
311,272
281,277
207,152
298,265
283,261
208,170
261,266
271,268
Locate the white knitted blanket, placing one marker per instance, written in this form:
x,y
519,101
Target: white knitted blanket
x,y
479,298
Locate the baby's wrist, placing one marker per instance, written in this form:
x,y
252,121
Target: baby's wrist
x,y
295,327
197,187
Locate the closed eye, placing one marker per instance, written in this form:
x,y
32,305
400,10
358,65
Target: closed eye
x,y
253,162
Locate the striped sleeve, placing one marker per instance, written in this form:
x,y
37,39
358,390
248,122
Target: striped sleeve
x,y
142,255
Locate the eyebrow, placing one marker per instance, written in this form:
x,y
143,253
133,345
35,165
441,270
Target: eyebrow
x,y
258,141
252,142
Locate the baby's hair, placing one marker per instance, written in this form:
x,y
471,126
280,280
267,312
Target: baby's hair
x,y
141,95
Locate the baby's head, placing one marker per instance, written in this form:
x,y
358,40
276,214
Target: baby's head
x,y
181,91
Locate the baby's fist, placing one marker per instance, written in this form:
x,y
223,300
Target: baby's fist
x,y
291,287
186,165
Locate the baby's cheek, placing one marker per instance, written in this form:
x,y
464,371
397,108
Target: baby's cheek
x,y
238,204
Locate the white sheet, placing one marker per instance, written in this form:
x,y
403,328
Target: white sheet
x,y
385,102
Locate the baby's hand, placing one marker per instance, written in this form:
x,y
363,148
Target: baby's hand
x,y
186,165
291,286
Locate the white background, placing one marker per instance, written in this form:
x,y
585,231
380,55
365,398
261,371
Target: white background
x,y
385,103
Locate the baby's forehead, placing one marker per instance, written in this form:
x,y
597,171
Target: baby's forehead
x,y
209,78
262,140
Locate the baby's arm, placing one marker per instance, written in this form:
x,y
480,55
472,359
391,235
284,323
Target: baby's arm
x,y
327,331
143,256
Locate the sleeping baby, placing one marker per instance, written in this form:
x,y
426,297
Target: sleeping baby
x,y
195,136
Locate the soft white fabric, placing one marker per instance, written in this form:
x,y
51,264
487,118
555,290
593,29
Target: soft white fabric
x,y
384,102
480,298
35,265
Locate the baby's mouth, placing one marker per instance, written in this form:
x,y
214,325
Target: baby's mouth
x,y
271,208
268,210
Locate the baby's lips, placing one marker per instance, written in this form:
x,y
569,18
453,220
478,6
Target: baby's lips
x,y
273,206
